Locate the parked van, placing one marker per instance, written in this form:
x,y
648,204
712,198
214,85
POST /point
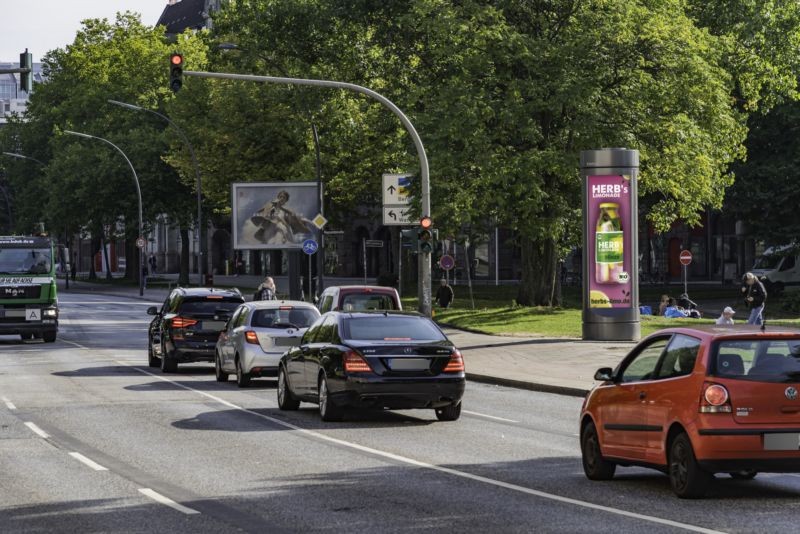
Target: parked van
x,y
778,268
359,298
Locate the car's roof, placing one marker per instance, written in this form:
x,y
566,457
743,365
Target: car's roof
x,y
206,291
363,288
271,304
718,332
380,313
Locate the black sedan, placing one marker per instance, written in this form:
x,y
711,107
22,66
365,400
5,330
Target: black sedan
x,y
373,360
187,326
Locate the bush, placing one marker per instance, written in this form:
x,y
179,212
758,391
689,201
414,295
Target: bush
x,y
790,302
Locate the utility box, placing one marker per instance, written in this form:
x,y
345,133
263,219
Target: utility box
x,y
610,245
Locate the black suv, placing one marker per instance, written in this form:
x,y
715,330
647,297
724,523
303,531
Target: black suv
x,y
188,324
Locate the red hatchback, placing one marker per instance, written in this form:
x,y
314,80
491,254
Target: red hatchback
x,y
697,401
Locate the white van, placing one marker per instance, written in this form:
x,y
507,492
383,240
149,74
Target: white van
x,y
779,268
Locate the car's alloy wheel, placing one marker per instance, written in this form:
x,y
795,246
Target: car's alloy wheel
x,y
168,363
242,378
449,413
687,479
327,409
594,465
286,400
221,375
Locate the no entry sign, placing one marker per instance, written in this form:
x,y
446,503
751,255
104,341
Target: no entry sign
x,y
686,257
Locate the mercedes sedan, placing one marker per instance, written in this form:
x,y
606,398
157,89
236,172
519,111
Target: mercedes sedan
x,y
373,360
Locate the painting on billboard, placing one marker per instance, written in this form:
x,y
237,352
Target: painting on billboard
x,y
273,215
609,217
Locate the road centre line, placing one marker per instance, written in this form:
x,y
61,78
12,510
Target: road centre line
x,y
432,467
38,431
8,403
489,416
91,463
167,501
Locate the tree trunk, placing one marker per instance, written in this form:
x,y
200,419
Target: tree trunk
x,y
183,277
103,244
539,274
96,243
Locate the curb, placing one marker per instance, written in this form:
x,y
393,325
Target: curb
x,y
530,386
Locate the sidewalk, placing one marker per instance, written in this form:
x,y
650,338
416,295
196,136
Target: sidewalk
x,y
553,365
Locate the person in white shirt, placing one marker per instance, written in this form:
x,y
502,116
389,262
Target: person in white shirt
x,y
727,316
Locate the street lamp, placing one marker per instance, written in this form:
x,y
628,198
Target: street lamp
x,y
320,204
138,195
197,175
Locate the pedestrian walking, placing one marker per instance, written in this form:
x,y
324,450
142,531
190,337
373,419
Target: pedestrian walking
x,y
444,295
727,316
266,290
153,263
74,268
755,296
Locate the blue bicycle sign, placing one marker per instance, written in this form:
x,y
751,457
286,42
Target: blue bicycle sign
x,y
310,246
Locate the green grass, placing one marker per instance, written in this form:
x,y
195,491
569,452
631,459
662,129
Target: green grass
x,y
496,312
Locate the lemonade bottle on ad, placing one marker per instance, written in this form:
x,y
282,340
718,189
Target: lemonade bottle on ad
x,y
609,266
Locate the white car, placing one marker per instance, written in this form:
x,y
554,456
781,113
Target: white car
x,y
256,336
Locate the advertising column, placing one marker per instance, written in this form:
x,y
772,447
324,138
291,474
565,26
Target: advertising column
x,y
610,245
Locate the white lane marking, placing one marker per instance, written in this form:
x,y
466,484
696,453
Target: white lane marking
x,y
424,465
167,501
91,463
8,403
489,416
36,430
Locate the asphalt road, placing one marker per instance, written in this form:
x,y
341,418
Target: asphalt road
x,y
92,440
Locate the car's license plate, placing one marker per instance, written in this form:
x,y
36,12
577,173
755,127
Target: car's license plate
x,y
782,442
409,364
213,325
286,341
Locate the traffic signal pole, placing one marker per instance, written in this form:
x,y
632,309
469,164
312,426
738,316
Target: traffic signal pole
x,y
424,260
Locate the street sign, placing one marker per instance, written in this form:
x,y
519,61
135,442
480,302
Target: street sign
x,y
319,221
686,257
374,243
140,242
396,189
310,246
447,262
396,216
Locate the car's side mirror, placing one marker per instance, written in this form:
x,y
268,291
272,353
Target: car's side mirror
x,y
152,310
604,374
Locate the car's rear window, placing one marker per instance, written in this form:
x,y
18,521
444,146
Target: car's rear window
x,y
764,360
206,306
367,302
283,318
390,328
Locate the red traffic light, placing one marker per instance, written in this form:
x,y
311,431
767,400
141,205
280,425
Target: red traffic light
x,y
426,222
176,59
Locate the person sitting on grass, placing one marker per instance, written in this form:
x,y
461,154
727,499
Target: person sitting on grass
x,y
674,311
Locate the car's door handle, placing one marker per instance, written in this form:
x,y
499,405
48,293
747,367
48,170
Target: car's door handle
x,y
642,395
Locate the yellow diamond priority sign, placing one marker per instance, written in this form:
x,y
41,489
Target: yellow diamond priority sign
x,y
319,221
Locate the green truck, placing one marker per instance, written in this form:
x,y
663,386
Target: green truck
x,y
28,299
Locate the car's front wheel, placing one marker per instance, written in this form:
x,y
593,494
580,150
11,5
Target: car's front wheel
x,y
328,411
152,361
221,375
286,400
449,413
595,466
49,337
687,479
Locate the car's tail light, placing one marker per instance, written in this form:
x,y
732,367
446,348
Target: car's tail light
x,y
182,322
715,399
251,337
456,363
355,363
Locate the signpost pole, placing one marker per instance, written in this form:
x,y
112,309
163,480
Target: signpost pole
x,y
310,295
685,282
400,266
364,251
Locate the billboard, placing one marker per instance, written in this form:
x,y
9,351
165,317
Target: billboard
x,y
273,215
610,243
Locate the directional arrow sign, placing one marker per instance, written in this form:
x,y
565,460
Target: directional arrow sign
x,y
396,189
396,216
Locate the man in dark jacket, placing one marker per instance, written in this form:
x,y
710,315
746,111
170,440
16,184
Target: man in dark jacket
x,y
444,295
754,297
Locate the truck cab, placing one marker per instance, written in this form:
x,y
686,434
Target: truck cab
x,y
28,297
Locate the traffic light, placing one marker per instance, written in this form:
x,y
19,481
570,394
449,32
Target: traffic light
x,y
409,236
175,72
425,236
26,78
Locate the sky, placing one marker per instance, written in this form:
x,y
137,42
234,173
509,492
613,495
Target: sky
x,y
43,25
